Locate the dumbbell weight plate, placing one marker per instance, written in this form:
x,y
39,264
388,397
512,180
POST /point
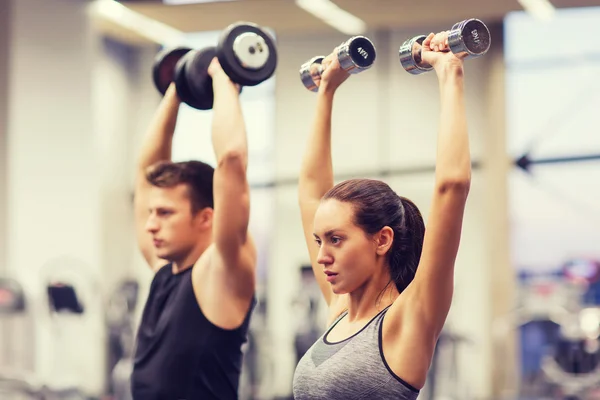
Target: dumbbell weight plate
x,y
194,85
356,54
247,54
163,69
470,38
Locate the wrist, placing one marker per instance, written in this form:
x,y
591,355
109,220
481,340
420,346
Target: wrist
x,y
220,77
326,91
223,82
450,72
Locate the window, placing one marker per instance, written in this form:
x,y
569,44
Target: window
x,y
552,105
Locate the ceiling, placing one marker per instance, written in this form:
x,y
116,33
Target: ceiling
x,y
286,18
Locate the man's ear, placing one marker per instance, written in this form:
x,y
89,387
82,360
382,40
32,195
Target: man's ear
x,y
204,217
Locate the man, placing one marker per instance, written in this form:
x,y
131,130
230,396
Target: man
x,y
201,298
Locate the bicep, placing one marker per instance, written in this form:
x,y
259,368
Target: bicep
x,y
308,209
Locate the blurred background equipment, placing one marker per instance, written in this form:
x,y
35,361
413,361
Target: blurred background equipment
x,y
309,311
18,384
120,319
13,303
559,329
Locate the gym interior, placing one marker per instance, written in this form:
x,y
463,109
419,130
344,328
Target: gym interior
x,y
77,93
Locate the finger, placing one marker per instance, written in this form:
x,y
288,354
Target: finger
x,y
335,63
212,66
429,57
433,43
436,40
215,65
333,55
427,41
443,40
328,61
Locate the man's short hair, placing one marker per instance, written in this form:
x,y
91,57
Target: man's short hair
x,y
196,175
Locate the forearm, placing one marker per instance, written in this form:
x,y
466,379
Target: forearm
x,y
453,154
228,127
316,173
157,142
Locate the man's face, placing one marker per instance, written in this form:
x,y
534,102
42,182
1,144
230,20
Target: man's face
x,y
175,230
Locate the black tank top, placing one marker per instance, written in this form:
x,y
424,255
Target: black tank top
x,y
179,354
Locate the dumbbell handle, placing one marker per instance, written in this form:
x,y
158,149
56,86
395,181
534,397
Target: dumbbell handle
x,y
418,50
354,55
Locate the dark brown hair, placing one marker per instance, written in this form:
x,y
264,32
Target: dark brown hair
x,y
375,206
196,175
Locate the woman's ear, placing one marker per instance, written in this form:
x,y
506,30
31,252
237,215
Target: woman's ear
x,y
384,240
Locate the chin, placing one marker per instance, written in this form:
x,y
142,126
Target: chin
x,y
338,290
165,255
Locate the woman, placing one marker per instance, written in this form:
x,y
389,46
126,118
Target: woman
x,y
387,283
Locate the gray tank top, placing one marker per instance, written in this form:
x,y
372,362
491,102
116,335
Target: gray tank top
x,y
351,369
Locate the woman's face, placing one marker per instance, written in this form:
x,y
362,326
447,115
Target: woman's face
x,y
348,255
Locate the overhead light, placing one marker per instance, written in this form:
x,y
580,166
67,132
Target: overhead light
x,y
333,15
540,9
180,2
146,27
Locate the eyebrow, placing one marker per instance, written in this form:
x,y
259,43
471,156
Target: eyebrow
x,y
327,234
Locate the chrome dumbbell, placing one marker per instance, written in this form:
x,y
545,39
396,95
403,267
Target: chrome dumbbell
x,y
355,55
469,38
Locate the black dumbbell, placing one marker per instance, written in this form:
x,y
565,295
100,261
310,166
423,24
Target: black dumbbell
x,y
246,53
163,69
469,38
354,55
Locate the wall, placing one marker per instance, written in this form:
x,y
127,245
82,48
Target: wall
x,y
552,103
5,13
53,201
70,102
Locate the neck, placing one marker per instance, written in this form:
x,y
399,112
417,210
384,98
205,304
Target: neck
x,y
372,297
190,258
